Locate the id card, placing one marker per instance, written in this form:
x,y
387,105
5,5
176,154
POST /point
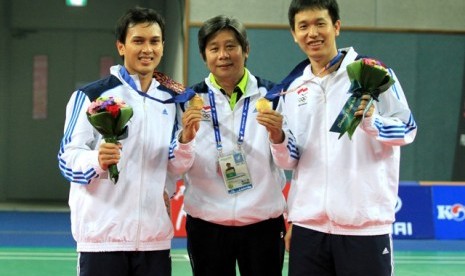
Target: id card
x,y
235,172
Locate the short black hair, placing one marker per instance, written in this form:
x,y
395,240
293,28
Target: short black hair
x,y
219,23
297,6
135,16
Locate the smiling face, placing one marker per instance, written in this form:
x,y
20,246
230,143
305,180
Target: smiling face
x,y
316,35
142,49
225,58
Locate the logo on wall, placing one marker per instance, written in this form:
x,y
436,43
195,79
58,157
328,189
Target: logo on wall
x,y
398,204
451,212
401,228
414,213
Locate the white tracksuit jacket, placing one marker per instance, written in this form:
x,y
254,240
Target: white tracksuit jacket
x,y
205,196
130,215
346,187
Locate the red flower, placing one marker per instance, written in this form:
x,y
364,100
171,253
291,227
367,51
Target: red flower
x,y
113,109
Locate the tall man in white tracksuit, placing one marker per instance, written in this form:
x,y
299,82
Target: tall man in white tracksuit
x,y
343,192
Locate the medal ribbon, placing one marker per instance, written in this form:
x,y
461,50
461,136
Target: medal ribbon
x,y
127,78
328,66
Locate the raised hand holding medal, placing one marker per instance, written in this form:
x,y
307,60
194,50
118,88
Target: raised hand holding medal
x,y
262,105
191,119
270,119
196,101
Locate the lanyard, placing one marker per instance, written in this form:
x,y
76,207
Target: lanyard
x,y
125,75
216,126
330,64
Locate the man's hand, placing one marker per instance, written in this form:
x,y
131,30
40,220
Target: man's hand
x,y
108,154
273,122
362,106
190,123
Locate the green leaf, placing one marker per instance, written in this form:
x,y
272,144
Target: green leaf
x,y
103,122
123,118
354,69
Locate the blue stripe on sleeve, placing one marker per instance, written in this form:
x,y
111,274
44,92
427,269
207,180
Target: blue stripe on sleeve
x,y
291,146
394,88
68,173
395,132
173,139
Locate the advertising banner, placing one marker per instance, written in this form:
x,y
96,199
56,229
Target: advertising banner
x,y
178,216
414,213
449,212
422,212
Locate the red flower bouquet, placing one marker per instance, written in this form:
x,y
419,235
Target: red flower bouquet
x,y
109,117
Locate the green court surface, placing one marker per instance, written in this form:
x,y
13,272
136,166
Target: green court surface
x,y
62,262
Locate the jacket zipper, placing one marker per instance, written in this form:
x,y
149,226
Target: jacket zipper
x,y
144,133
233,133
330,228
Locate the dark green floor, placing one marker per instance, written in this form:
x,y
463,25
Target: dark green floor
x,y
62,262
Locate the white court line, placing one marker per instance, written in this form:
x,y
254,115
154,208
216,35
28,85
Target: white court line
x,y
430,262
403,258
179,257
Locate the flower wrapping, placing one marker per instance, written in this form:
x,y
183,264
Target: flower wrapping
x,y
109,117
367,77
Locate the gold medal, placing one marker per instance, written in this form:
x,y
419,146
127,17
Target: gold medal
x,y
196,101
263,104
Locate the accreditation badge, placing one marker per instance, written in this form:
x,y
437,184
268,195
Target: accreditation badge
x,y
235,173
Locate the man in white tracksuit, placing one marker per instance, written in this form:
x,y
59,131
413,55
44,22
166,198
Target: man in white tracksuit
x,y
343,192
231,217
123,228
